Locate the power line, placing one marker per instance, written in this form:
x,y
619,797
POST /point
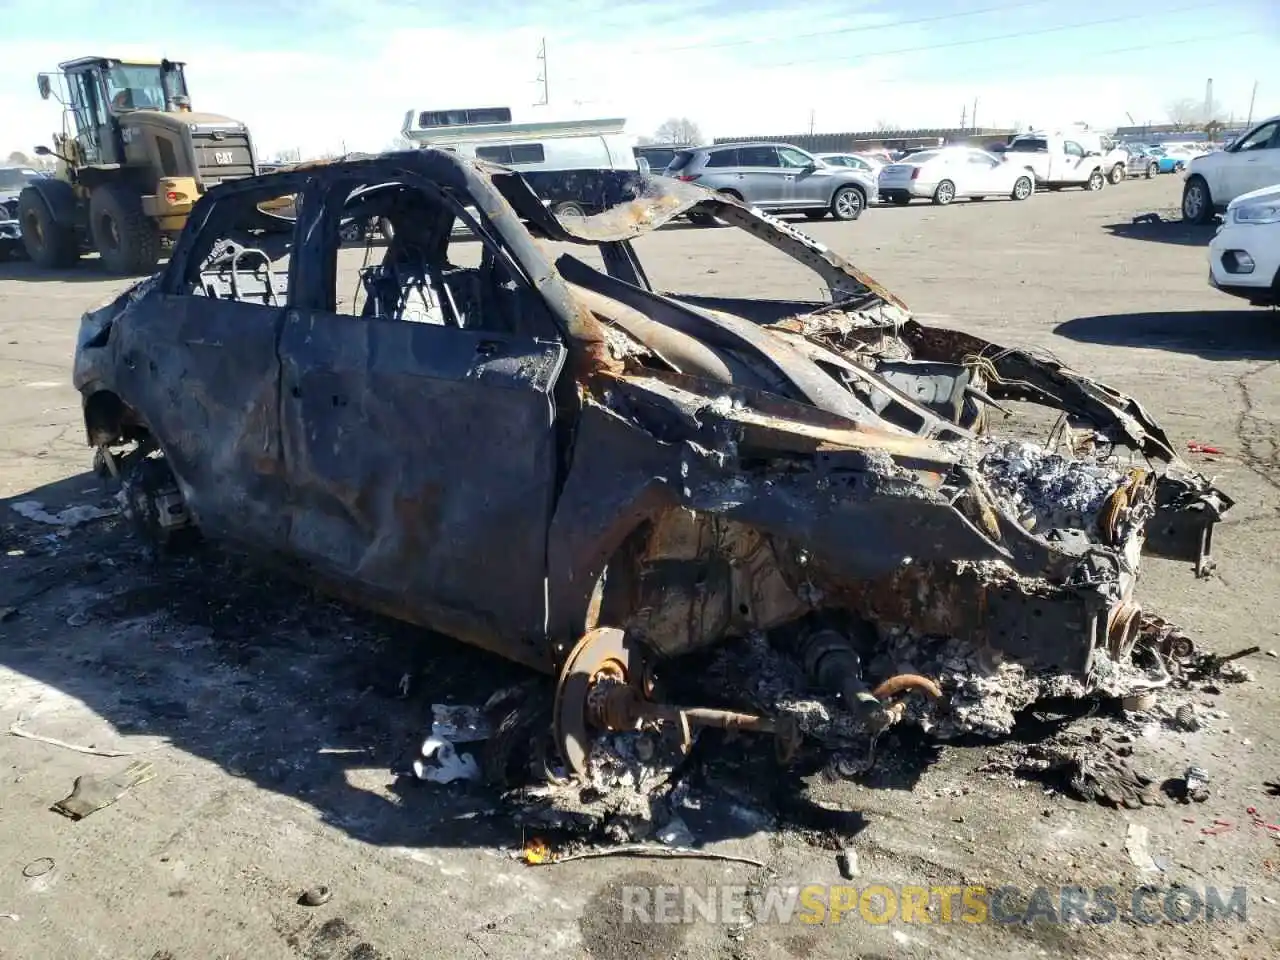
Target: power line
x,y
861,28
945,45
1060,28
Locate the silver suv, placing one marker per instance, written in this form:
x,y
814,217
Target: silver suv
x,y
777,177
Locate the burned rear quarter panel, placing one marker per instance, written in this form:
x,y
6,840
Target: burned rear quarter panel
x,y
203,376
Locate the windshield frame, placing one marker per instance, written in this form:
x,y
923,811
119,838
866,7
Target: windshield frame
x,y
151,79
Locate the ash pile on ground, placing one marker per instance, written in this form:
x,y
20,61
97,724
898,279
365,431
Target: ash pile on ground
x,y
1045,490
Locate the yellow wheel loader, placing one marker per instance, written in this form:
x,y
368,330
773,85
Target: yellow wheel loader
x,y
132,159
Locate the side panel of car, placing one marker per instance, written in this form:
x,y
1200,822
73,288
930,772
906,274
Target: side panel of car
x,y
220,411
1255,164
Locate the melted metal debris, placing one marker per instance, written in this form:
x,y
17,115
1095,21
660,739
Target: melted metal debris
x,y
1045,490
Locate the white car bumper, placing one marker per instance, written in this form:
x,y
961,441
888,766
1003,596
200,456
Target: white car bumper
x,y
1244,260
904,186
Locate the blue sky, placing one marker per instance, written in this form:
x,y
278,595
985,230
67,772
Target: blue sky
x,y
325,74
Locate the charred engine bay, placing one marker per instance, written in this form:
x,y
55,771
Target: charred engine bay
x,y
802,525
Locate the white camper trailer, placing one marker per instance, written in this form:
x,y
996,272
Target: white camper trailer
x,y
488,133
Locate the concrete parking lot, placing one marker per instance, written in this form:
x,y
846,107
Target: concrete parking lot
x,y
270,716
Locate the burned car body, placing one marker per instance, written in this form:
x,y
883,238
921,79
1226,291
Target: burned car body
x,y
574,471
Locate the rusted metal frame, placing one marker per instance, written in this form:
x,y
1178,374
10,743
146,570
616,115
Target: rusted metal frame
x,y
1187,509
619,479
843,278
733,333
794,425
1046,382
1045,626
621,263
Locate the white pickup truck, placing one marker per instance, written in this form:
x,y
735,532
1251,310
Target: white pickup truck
x,y
1059,161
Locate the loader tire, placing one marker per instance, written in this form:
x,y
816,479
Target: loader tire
x,y
126,238
50,244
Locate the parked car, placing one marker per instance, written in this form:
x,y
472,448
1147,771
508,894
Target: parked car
x,y
945,174
854,161
658,156
777,177
1244,255
561,465
1059,160
12,180
1172,159
1215,179
1141,163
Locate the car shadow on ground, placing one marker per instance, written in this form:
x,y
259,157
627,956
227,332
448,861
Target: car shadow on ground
x,y
297,693
1212,334
1153,228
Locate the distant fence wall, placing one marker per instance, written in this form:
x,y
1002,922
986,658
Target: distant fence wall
x,y
876,139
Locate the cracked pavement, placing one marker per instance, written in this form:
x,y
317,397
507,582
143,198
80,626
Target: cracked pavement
x,y
250,679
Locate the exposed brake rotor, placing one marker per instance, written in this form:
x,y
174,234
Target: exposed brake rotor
x,y
604,657
606,684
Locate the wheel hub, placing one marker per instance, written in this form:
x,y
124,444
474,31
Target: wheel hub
x,y
606,685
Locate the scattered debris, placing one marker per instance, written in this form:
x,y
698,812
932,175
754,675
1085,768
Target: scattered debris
x,y
91,793
15,730
646,850
1219,827
315,896
1139,702
1195,785
459,724
10,916
675,833
1185,718
1136,843
847,863
69,517
38,868
1194,447
447,764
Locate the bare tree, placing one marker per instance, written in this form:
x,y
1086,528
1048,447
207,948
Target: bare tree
x,y
677,130
292,155
401,143
1187,113
19,159
1182,112
884,125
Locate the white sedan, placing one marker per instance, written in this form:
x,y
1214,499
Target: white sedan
x,y
944,174
854,161
1244,256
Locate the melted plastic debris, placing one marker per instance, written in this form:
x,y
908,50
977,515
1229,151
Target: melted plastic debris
x,y
1047,491
70,517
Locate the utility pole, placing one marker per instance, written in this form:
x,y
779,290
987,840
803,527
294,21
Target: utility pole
x,y
543,75
1252,97
812,115
964,117
974,118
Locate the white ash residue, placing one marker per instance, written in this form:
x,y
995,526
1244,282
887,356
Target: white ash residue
x,y
1045,488
982,695
631,760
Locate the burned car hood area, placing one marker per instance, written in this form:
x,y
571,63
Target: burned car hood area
x,y
578,472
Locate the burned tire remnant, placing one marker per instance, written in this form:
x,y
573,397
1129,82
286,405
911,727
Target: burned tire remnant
x,y
829,500
153,504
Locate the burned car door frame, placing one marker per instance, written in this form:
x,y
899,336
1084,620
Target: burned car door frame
x,y
422,455
196,358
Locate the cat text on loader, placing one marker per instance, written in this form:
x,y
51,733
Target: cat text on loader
x,y
133,158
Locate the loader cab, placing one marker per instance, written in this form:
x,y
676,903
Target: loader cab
x,y
101,91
